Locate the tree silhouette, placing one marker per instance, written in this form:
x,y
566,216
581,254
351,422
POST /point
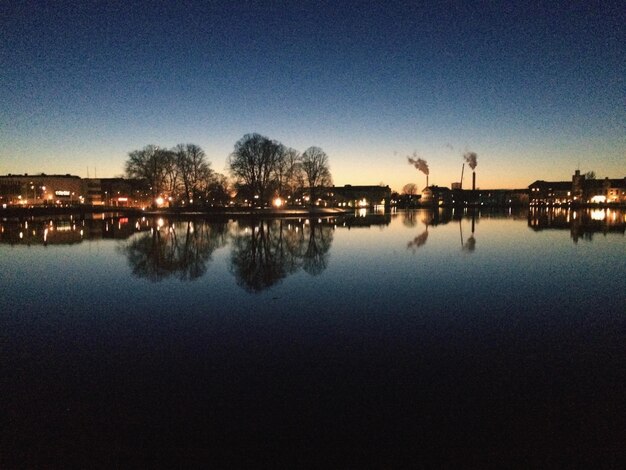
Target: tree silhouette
x,y
410,189
154,165
316,170
253,164
195,172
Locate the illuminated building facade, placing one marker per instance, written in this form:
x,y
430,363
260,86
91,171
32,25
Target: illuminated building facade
x,y
437,196
580,190
550,193
42,189
358,196
61,190
122,192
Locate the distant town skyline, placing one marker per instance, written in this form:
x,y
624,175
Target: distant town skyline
x,y
535,91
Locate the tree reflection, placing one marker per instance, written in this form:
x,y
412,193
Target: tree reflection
x,y
409,219
264,252
257,256
180,249
315,259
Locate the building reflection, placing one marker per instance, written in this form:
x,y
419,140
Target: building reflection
x,y
468,245
69,230
582,223
443,216
365,218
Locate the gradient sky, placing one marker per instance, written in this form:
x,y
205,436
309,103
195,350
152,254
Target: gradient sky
x,y
536,91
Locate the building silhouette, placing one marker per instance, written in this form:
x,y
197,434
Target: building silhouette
x,y
580,190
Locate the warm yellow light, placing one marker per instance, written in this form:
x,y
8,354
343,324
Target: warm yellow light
x,y
597,214
159,201
278,202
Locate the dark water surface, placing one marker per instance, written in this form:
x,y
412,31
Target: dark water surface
x,y
383,339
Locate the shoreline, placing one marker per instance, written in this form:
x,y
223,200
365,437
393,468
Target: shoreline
x,y
42,211
82,211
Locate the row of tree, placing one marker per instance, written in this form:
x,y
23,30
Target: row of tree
x,y
182,173
262,170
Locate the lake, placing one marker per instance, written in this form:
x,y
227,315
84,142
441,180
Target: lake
x,y
369,338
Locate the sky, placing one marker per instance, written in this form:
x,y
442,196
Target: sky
x,y
536,90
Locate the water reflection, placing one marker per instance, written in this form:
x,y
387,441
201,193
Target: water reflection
x,y
443,217
315,259
470,244
582,223
180,249
264,252
418,241
409,219
69,231
523,335
363,218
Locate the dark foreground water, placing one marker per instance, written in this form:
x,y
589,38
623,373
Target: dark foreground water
x,y
381,340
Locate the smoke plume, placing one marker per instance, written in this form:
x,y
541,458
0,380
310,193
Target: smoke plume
x,y
470,158
418,163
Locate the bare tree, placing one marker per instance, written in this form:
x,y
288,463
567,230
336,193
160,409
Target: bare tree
x,y
151,164
217,190
410,189
253,164
172,173
289,175
194,171
316,170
